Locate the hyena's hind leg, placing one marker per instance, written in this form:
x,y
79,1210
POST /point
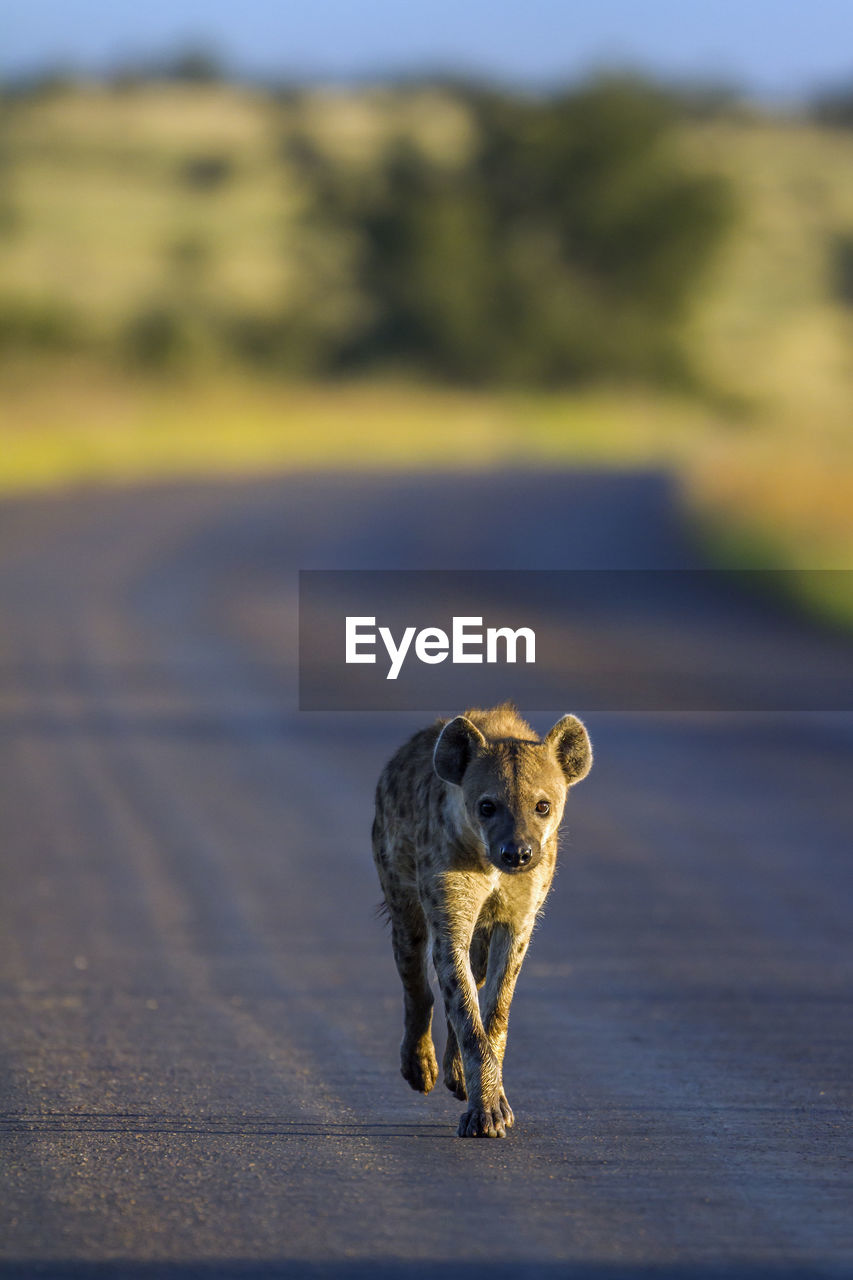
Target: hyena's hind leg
x,y
409,939
417,1054
454,1075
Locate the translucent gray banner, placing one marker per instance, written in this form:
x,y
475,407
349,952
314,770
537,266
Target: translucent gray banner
x,y
593,640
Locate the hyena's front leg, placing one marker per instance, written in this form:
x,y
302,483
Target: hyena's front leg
x,y
506,955
450,952
454,1072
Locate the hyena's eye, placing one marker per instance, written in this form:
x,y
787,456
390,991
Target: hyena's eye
x,y
543,807
487,808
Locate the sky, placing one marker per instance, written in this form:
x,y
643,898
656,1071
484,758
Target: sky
x,y
776,49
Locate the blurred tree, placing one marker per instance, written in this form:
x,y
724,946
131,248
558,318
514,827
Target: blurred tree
x,y
834,107
39,324
206,172
195,65
161,337
842,266
568,247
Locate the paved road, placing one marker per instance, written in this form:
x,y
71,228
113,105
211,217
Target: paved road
x,y
199,1015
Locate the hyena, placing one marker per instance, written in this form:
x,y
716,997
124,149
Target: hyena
x,y
465,843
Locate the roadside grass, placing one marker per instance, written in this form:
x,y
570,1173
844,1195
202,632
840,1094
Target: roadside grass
x,y
760,492
87,425
779,500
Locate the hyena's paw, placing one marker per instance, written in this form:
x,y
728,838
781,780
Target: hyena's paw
x,y
484,1122
454,1077
418,1065
506,1111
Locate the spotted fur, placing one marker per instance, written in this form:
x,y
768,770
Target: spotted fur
x,y
452,806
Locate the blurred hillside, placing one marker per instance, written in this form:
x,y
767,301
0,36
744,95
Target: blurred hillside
x,y
206,275
468,235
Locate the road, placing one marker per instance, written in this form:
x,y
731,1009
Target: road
x,y
199,1015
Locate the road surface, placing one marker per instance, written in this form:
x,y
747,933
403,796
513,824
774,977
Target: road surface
x,y
199,1015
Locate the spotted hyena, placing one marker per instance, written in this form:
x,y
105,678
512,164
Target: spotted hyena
x,y
465,842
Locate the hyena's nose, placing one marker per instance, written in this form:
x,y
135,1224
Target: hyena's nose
x,y
516,855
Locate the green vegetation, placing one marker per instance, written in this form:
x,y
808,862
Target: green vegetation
x,y
89,425
198,276
564,246
469,236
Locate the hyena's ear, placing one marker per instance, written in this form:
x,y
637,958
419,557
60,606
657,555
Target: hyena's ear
x,y
570,742
457,743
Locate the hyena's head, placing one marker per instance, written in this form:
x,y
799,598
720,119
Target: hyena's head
x,y
512,792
